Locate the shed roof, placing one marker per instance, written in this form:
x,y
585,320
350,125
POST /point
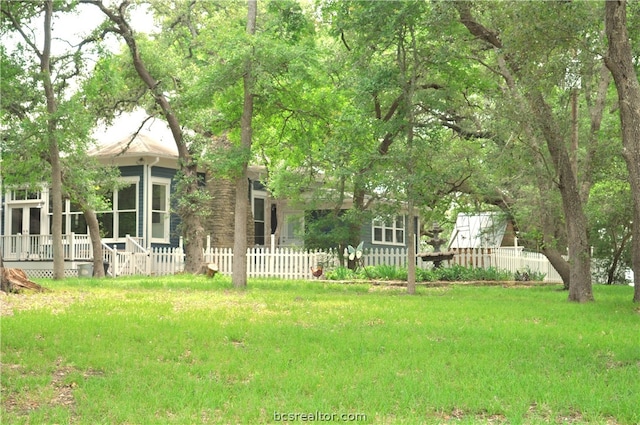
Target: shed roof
x,y
482,230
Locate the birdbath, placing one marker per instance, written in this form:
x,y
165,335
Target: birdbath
x,y
437,256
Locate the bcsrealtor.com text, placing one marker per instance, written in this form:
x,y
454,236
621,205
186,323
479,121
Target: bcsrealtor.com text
x,y
318,416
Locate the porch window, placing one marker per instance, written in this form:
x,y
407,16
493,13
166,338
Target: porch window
x,y
77,222
389,230
73,220
122,220
26,195
160,211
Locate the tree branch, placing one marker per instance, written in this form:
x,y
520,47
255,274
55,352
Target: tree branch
x,y
474,27
18,27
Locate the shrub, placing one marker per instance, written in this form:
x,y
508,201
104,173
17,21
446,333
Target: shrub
x,y
425,275
528,275
340,273
385,272
368,272
491,273
455,273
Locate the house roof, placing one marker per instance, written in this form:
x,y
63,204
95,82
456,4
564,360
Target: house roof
x,y
139,144
483,230
153,138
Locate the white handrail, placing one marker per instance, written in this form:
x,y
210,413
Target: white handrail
x,y
131,245
110,256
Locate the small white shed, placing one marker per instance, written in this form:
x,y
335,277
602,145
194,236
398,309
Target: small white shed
x,y
481,230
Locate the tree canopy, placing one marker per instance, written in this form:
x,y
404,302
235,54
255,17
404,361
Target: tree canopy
x,y
433,105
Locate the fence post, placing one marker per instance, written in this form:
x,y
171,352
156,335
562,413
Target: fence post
x,y
72,247
116,257
149,259
272,259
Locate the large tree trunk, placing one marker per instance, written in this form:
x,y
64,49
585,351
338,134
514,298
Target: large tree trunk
x,y
580,289
559,263
192,230
220,224
411,250
551,232
56,200
239,277
617,255
619,60
54,150
96,241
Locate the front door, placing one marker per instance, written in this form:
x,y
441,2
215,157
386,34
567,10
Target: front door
x,y
25,221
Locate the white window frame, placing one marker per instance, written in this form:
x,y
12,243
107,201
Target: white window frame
x,y
11,200
381,223
39,195
263,196
42,201
131,181
166,212
68,214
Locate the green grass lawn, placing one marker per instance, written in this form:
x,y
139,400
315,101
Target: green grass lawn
x,y
191,350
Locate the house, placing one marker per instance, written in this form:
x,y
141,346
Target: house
x,y
388,231
150,162
482,230
141,215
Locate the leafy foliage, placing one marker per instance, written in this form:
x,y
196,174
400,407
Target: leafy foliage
x,y
27,124
455,273
329,229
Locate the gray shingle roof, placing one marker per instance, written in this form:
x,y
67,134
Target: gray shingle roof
x,y
142,144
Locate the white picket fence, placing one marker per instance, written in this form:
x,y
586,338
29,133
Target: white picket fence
x,y
285,263
512,259
270,261
296,263
166,261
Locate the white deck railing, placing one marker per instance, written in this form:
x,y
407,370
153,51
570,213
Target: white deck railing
x,y
40,247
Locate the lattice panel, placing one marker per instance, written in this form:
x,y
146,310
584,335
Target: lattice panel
x,y
47,274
